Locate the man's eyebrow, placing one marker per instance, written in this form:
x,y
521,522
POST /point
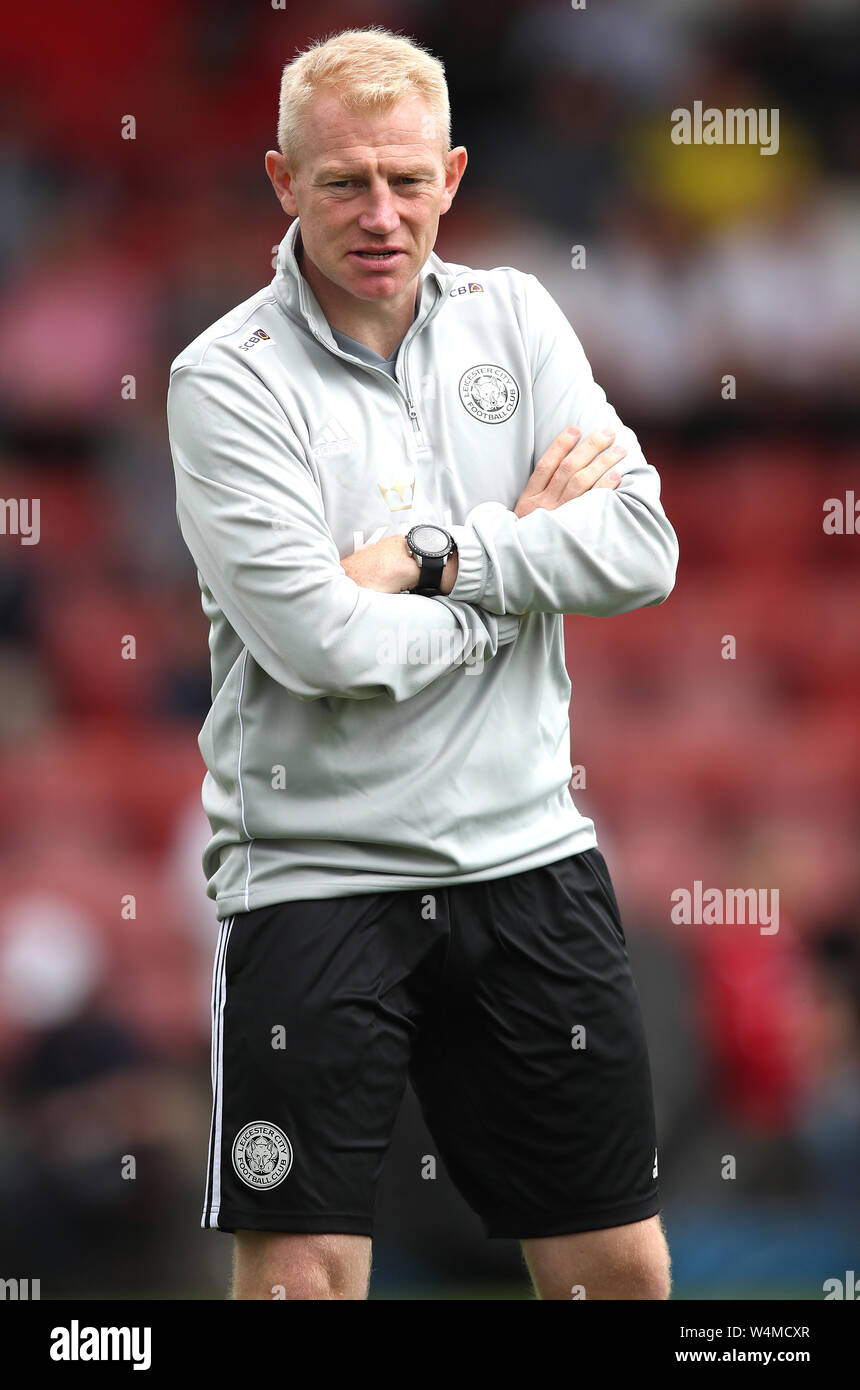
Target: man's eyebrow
x,y
341,171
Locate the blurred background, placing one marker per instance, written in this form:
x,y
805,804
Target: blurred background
x,y
701,262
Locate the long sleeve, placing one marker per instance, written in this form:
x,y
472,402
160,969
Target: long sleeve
x,y
604,553
252,517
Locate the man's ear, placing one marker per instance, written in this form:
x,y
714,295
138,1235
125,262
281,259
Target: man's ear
x,y
282,181
455,166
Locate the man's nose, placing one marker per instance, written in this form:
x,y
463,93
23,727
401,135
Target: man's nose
x,y
379,213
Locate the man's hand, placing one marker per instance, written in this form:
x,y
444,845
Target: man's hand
x,y
570,468
389,567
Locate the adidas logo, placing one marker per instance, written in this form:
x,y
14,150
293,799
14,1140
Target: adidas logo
x,y
333,440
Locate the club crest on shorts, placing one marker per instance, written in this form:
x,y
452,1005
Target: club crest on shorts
x,y
489,393
262,1155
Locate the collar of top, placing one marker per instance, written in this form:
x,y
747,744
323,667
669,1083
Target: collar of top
x,y
297,299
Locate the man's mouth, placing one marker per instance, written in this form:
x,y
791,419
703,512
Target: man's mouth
x,y
387,255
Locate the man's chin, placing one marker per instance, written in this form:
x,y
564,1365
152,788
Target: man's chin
x,y
376,284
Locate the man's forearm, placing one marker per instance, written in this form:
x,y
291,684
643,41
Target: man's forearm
x,y
282,587
604,553
390,567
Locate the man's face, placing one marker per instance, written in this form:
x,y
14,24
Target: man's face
x,y
365,183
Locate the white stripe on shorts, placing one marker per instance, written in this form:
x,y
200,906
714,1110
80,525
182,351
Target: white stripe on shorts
x,y
212,1198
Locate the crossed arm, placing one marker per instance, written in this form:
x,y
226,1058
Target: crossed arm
x,y
570,467
254,521
583,537
587,534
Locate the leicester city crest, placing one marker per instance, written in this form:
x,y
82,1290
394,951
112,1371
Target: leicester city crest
x,y
262,1155
489,393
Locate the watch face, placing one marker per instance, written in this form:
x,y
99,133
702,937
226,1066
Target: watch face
x,y
429,541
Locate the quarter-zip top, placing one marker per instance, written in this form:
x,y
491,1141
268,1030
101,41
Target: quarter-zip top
x,y
308,307
360,741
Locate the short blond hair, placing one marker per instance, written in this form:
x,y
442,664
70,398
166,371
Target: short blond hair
x,y
370,69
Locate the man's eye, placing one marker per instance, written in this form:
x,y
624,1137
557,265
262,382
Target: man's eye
x,y
347,183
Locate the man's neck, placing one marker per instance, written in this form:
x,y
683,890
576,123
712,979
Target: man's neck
x,y
381,326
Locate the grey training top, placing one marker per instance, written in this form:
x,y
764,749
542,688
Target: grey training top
x,y
361,741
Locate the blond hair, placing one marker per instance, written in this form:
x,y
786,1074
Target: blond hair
x,y
370,69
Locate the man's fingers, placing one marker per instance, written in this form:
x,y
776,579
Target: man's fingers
x,y
570,467
584,465
550,460
588,477
608,480
579,457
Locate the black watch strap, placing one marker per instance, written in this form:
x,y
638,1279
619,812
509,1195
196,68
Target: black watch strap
x,y
431,575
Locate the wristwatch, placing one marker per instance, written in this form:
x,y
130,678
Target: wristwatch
x,y
431,546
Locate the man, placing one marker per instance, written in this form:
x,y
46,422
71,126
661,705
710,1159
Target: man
x,y
395,475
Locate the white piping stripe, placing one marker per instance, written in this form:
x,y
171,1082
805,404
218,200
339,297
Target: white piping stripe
x,y
216,983
212,1067
239,774
212,1200
219,1109
216,972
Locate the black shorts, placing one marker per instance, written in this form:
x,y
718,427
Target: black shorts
x,y
509,1004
